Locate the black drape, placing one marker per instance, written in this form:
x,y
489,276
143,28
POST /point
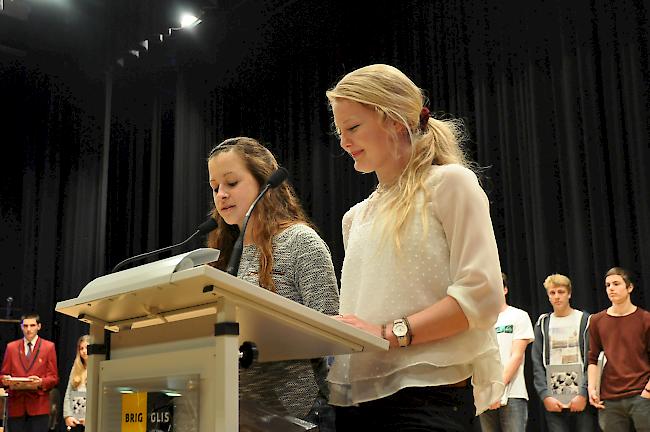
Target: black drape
x,y
49,231
555,97
562,116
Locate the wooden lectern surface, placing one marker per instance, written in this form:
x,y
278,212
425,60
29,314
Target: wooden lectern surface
x,y
281,328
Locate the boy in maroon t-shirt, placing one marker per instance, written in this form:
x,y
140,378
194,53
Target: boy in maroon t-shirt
x,y
622,332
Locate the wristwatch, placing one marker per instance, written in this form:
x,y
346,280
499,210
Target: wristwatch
x,y
402,331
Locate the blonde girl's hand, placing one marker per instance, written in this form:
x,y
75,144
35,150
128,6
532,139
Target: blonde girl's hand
x,y
495,405
71,422
357,322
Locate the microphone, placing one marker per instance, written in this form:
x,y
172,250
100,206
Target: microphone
x,y
204,228
275,179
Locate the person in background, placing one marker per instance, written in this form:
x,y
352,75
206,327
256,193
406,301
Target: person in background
x,y
74,402
622,332
514,332
29,370
560,349
283,254
421,265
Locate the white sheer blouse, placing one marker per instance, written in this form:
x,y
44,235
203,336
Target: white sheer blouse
x,y
455,255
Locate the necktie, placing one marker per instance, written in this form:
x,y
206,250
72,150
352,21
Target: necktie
x,y
29,349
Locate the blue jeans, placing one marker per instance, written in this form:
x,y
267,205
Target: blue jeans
x,y
413,409
584,421
509,418
619,415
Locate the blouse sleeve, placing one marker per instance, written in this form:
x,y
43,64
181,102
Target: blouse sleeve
x,y
463,210
315,277
346,224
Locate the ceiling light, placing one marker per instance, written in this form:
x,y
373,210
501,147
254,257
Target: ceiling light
x,y
189,20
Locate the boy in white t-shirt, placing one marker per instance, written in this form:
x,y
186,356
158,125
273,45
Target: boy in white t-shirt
x,y
559,362
514,332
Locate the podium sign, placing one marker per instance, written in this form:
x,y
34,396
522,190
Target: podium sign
x,y
147,412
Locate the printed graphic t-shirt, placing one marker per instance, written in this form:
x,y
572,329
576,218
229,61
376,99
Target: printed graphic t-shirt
x,y
564,334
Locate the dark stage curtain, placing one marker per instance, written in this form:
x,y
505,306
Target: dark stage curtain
x,y
50,232
562,117
555,97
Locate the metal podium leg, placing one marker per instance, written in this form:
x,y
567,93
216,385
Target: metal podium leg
x,y
95,356
226,383
4,415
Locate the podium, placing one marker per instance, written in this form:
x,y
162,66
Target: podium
x,y
3,409
179,318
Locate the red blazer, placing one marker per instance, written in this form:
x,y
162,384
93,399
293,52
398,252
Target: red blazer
x,y
41,363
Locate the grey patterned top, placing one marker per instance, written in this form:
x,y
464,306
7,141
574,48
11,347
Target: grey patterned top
x,y
302,272
74,401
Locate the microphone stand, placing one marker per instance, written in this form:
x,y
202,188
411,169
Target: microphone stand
x,y
237,249
204,228
274,180
8,309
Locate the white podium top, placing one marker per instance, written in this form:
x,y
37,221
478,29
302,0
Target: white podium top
x,y
169,291
144,276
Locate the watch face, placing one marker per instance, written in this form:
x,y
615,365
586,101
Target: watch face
x,y
400,329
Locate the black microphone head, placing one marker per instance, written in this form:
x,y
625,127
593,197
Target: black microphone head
x,y
207,226
278,176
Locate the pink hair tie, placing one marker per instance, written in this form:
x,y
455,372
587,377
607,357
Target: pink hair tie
x,y
424,118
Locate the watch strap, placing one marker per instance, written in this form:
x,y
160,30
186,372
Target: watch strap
x,y
409,334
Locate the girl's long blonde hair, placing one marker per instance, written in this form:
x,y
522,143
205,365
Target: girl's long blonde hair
x,y
433,142
79,373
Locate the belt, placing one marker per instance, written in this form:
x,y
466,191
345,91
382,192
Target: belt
x,y
459,384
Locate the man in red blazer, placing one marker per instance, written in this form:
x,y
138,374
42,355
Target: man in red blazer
x,y
29,371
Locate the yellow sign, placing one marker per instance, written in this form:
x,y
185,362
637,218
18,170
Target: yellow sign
x,y
134,412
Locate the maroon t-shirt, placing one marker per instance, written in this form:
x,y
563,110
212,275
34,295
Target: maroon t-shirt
x,y
626,343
